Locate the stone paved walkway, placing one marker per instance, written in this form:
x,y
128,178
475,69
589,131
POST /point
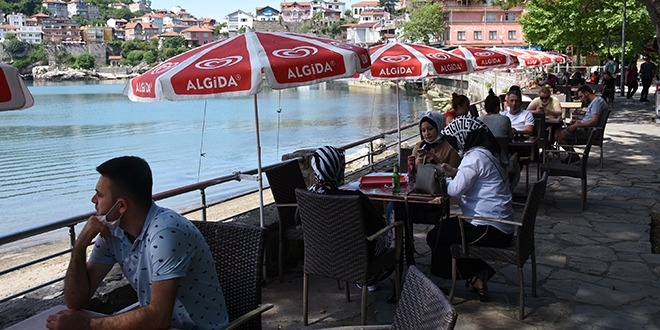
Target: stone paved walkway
x,y
595,267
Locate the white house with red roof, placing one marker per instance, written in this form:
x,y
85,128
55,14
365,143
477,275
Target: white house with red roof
x,y
140,5
83,9
363,34
373,15
140,31
295,11
7,29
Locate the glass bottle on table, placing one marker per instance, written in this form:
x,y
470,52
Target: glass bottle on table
x,y
396,180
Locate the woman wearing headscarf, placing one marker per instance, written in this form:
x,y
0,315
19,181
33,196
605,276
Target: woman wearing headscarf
x,y
480,181
329,164
433,148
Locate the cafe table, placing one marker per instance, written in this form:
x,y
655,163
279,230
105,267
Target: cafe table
x,y
383,192
531,142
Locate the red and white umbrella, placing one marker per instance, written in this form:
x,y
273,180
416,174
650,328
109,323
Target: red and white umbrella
x,y
403,61
525,59
486,59
235,67
14,95
559,58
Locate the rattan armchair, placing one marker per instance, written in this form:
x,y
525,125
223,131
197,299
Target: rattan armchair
x,y
522,246
336,244
598,139
237,251
556,168
422,306
284,180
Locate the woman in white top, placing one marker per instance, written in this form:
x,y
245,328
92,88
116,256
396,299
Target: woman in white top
x,y
481,183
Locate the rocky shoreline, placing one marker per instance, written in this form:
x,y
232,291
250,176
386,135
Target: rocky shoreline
x,y
47,73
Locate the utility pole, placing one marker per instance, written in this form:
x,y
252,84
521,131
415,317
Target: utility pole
x,y
623,49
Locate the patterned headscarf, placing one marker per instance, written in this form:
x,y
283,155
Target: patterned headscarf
x,y
465,133
328,164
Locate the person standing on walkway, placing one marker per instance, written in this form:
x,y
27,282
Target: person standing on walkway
x,y
631,79
646,70
611,66
577,133
162,255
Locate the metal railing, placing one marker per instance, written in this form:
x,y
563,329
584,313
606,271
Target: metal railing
x,y
71,222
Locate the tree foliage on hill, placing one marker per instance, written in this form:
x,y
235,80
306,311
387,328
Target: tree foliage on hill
x,y
27,7
588,23
426,23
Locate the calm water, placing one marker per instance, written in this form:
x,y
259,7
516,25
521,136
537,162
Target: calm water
x,y
48,152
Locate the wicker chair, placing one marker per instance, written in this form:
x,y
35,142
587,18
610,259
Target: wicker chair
x,y
520,249
579,171
598,141
336,245
237,251
284,180
422,307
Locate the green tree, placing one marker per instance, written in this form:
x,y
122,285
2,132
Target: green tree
x,y
16,46
135,57
85,61
426,23
389,5
174,42
556,25
219,27
150,57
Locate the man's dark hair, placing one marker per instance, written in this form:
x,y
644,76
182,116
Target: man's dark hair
x,y
585,89
130,177
610,57
516,92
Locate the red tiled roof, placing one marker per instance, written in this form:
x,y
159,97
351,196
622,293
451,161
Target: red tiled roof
x,y
114,57
9,27
365,4
196,29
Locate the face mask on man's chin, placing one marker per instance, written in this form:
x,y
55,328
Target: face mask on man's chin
x,y
111,225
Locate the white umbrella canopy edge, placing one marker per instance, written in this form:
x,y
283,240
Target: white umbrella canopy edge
x,y
14,94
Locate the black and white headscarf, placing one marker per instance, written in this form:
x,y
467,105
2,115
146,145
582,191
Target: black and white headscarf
x,y
328,164
465,133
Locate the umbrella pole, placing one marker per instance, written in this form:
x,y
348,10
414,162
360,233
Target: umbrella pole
x,y
261,185
398,122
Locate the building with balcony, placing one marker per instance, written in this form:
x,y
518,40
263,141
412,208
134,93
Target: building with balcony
x,y
61,30
197,36
135,6
481,25
82,9
15,19
6,29
96,34
373,15
357,8
295,11
57,8
237,20
140,31
267,13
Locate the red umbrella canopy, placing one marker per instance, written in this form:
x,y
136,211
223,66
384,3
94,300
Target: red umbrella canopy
x,y
234,67
14,95
558,57
545,58
525,59
400,61
485,59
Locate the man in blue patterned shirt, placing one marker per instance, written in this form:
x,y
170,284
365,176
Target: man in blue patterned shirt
x,y
161,253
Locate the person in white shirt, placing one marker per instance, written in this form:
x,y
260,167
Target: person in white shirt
x,y
481,183
522,121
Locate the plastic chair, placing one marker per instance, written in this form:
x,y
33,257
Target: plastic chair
x,y
336,244
284,180
522,246
237,251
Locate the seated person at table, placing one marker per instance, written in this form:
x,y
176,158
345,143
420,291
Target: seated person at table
x,y
545,103
499,125
161,253
432,148
460,106
329,164
577,132
594,77
522,121
480,184
551,81
506,96
608,87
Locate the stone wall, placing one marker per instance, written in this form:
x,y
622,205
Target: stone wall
x,y
278,26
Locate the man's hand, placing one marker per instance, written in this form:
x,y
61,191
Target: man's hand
x,y
94,227
68,319
572,128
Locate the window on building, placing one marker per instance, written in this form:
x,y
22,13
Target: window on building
x,y
492,35
509,16
512,35
491,17
477,35
460,35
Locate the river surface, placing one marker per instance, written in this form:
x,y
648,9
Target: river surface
x,y
48,153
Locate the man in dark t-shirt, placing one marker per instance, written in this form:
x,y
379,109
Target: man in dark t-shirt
x,y
646,71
